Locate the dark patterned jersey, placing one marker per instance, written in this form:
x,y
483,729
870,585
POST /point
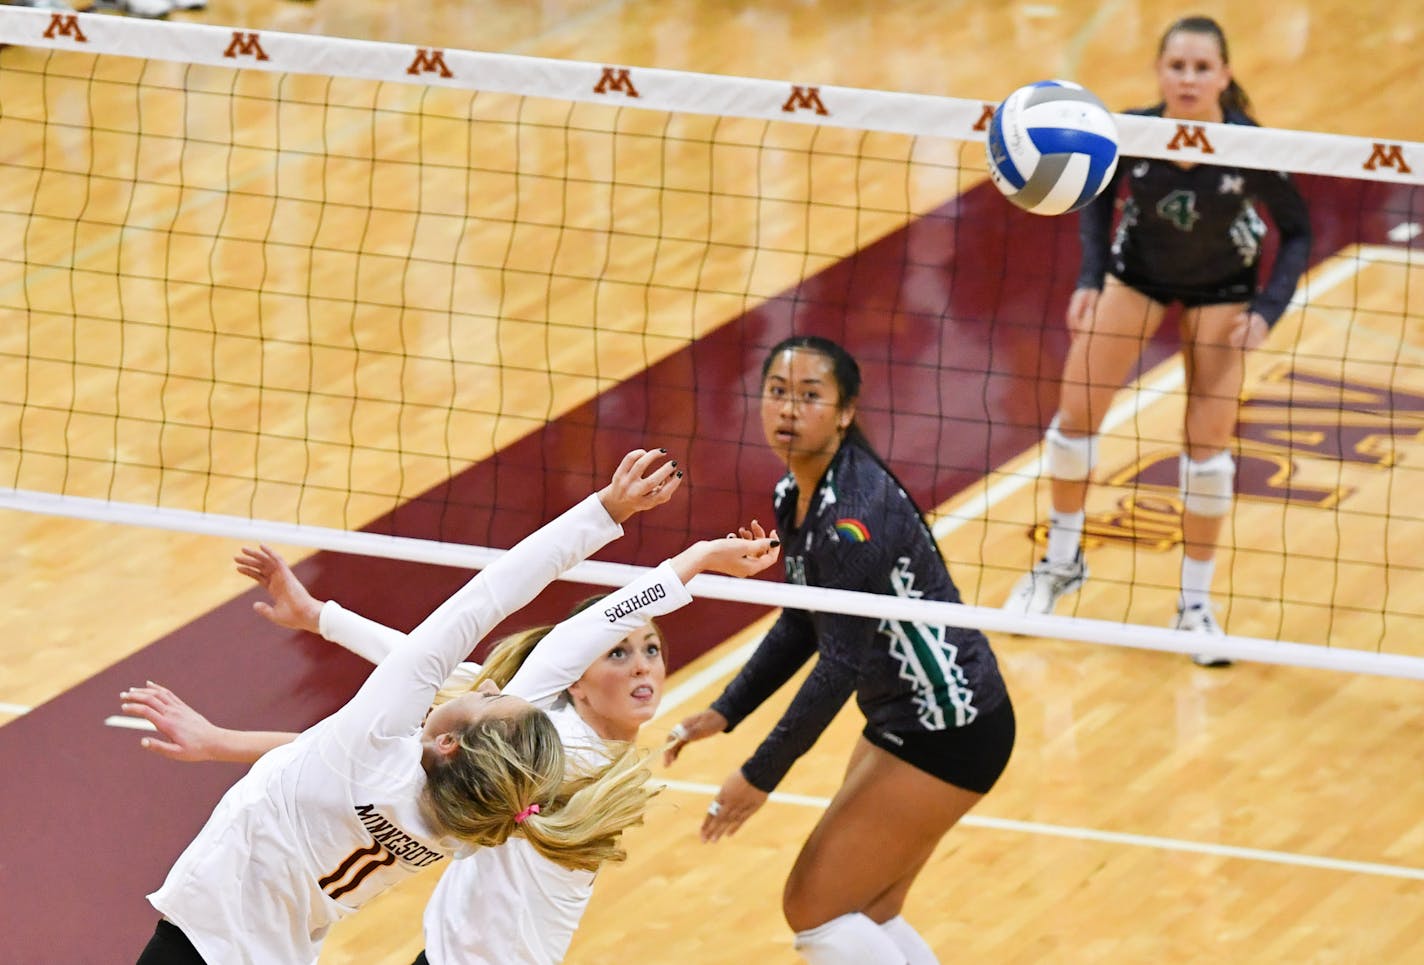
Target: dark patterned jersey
x,y
862,532
1196,227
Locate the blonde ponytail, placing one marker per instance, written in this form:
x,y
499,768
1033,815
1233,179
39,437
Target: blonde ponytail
x,y
504,764
583,827
510,776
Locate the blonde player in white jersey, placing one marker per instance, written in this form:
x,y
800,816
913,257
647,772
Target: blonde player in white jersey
x,y
323,824
500,906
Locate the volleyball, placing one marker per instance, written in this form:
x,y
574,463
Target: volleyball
x,y
1052,147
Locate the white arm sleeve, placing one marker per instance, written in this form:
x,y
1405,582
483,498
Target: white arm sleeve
x,y
395,697
375,642
369,640
571,648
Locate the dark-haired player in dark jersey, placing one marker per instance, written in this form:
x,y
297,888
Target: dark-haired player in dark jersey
x,y
939,724
1189,234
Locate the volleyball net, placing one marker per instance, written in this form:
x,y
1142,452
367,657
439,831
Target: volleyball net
x,y
412,301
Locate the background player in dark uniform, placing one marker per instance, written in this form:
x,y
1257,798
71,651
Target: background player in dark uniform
x,y
939,724
1188,234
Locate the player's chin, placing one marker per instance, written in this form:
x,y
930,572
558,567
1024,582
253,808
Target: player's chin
x,y
640,711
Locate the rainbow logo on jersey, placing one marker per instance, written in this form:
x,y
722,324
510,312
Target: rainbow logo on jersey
x,y
853,530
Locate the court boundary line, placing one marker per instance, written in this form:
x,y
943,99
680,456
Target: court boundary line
x,y
1124,838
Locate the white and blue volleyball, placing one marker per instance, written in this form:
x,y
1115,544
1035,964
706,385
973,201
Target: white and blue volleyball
x,y
1052,147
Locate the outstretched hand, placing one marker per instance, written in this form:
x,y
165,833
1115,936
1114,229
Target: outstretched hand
x,y
186,735
736,801
637,486
292,606
744,553
183,733
698,726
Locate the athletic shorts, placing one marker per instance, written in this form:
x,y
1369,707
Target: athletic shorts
x,y
169,946
1239,288
970,757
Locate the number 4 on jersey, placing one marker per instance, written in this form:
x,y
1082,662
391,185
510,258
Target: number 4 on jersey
x,y
1180,208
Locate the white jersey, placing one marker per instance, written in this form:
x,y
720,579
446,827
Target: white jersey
x,y
510,905
322,825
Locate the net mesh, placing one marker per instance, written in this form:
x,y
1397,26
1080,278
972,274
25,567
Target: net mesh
x,y
429,304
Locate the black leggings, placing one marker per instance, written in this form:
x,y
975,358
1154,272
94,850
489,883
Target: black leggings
x,y
169,946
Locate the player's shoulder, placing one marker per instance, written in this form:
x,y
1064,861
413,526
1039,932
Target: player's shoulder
x,y
1154,110
866,491
859,477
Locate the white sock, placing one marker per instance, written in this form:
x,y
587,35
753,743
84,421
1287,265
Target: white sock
x,y
848,940
1065,535
915,949
1196,581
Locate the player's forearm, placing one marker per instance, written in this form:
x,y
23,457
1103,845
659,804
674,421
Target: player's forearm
x,y
787,646
243,746
367,639
570,648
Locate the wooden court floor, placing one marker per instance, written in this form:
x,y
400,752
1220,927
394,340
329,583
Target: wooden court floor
x,y
1153,811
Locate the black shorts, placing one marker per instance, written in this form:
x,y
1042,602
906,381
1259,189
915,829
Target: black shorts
x,y
169,946
971,757
1239,288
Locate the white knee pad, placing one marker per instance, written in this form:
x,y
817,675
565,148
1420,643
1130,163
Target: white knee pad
x,y
851,939
1208,485
911,943
1070,457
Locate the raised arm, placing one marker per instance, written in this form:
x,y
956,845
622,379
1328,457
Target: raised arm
x,y
396,695
570,648
292,606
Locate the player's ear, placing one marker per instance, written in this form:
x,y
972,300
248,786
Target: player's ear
x,y
845,417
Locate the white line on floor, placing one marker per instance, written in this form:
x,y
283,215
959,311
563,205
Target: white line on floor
x,y
128,723
1116,837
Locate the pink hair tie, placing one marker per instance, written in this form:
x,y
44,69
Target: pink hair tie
x,y
523,816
